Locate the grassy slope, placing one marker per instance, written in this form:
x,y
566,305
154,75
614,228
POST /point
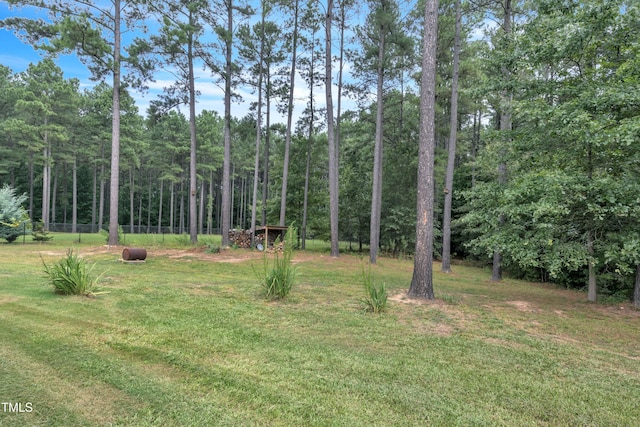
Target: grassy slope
x,y
187,340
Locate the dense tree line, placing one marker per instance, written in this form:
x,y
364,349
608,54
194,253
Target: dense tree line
x,y
536,111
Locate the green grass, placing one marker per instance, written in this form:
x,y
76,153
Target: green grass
x,y
186,339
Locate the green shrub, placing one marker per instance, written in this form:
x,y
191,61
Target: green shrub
x,y
40,233
375,300
278,280
70,275
212,248
14,220
183,240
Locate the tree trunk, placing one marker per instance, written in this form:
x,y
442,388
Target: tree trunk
x,y
115,133
265,166
376,193
636,288
201,209
172,192
256,162
305,201
46,179
305,198
505,126
287,139
422,281
453,128
74,196
226,167
210,205
149,192
343,18
140,200
592,287
193,219
181,225
160,203
333,154
103,185
94,198
31,186
54,193
131,200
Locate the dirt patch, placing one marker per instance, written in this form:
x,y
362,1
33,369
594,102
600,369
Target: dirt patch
x,y
523,306
403,298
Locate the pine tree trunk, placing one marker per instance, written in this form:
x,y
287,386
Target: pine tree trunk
x,y
256,162
226,167
74,196
193,186
376,193
160,204
333,154
636,288
265,166
201,213
31,186
592,287
505,126
131,201
453,128
54,193
115,133
46,180
149,203
422,280
287,139
172,191
94,198
210,205
103,186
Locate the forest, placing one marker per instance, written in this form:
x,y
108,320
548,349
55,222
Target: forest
x,y
537,127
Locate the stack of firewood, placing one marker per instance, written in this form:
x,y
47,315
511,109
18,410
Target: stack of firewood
x,y
241,238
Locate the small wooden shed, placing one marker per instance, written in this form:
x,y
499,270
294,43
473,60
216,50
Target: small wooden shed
x,y
272,233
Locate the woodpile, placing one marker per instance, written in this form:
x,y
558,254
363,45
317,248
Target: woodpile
x,y
241,238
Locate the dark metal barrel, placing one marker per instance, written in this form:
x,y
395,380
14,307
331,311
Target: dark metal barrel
x,y
134,254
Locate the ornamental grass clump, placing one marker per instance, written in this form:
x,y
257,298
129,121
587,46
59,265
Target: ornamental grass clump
x,y
71,275
278,280
375,300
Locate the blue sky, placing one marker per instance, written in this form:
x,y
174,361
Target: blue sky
x,y
17,55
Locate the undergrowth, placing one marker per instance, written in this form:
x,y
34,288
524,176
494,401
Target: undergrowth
x,y
278,280
375,300
71,275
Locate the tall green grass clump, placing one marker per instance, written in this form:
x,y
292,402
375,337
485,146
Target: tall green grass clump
x,y
375,300
70,275
278,280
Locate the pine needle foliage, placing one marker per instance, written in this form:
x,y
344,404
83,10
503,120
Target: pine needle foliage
x,y
278,280
70,276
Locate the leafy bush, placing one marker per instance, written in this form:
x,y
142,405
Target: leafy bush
x,y
14,220
70,275
278,281
375,300
212,248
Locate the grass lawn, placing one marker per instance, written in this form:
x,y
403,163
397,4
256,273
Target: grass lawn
x,y
185,339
